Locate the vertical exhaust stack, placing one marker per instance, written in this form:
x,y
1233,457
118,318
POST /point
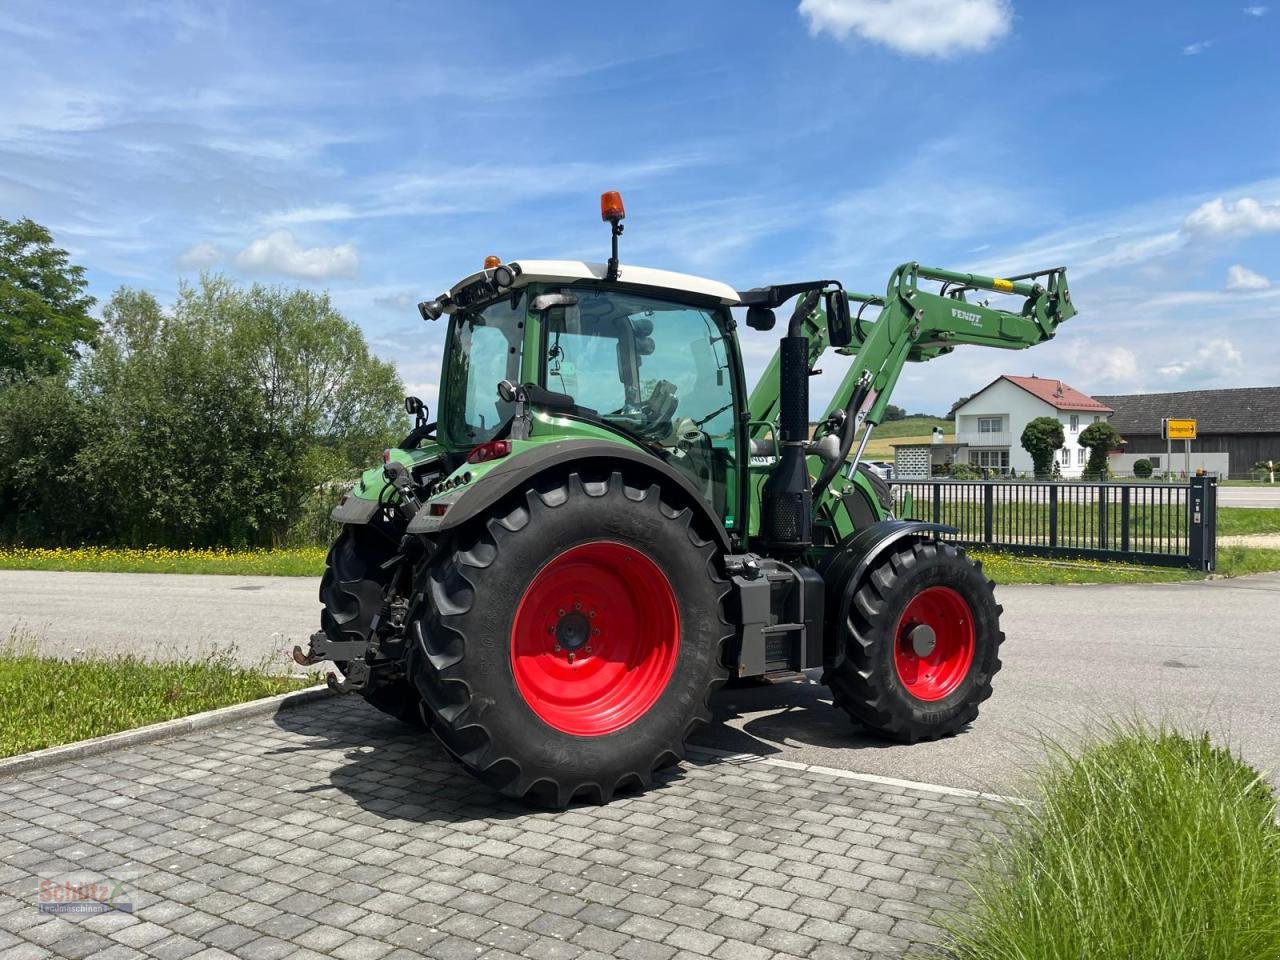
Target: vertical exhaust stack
x,y
786,508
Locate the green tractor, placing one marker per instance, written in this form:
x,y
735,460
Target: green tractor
x,y
607,521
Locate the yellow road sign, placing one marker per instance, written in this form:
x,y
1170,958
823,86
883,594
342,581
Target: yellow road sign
x,y
1179,429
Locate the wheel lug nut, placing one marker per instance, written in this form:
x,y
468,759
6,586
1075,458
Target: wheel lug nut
x,y
577,606
588,648
592,614
562,612
557,648
571,657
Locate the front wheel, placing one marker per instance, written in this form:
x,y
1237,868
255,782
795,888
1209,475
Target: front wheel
x,y
571,640
921,644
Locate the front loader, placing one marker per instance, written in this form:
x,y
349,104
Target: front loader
x,y
605,523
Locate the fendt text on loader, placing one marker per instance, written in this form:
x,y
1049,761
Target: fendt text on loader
x,y
606,522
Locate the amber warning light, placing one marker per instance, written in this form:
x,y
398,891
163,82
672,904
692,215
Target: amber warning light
x,y
492,261
611,207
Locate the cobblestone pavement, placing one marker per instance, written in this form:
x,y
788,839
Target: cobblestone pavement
x,y
329,830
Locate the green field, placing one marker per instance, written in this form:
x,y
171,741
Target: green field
x,y
45,702
911,430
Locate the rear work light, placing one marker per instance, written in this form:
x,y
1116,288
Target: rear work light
x,y
492,450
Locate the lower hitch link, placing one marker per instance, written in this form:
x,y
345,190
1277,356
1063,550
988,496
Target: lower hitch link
x,y
321,648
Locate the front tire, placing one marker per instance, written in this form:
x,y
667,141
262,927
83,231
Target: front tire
x,y
571,640
922,642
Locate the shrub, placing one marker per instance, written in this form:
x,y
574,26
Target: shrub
x,y
1099,439
1042,438
1142,468
1146,845
964,471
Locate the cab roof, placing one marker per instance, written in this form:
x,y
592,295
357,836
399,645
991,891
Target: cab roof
x,y
569,271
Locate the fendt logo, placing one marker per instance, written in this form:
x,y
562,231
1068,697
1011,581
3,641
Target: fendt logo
x,y
974,318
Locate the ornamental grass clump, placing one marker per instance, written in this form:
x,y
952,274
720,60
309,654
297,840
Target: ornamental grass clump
x,y
1147,845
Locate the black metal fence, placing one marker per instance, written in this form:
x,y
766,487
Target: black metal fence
x,y
1151,523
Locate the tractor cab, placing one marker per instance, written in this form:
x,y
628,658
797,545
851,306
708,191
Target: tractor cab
x,y
648,359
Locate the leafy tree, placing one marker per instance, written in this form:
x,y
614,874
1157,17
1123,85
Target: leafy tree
x,y
892,412
42,428
44,311
1100,439
1042,438
214,422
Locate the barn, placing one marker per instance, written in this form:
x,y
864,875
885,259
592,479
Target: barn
x,y
1243,423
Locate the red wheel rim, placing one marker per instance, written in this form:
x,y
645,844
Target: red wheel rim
x,y
595,638
934,643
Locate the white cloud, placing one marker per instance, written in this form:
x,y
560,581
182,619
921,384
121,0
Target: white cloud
x,y
278,252
1242,278
1191,49
1256,11
1096,363
1243,218
1218,361
202,256
921,28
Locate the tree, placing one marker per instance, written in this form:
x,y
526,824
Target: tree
x,y
44,311
213,423
1099,439
42,428
1042,438
892,412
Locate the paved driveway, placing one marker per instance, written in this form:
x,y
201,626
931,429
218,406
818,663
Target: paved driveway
x,y
329,830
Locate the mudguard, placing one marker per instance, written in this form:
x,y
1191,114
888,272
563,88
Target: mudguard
x,y
844,571
454,508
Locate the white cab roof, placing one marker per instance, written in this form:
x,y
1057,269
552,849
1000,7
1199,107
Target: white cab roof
x,y
567,271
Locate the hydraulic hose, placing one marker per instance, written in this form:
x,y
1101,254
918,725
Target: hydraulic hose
x,y
847,431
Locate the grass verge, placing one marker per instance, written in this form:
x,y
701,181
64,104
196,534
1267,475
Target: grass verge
x,y
45,702
1147,845
291,562
1242,521
1007,568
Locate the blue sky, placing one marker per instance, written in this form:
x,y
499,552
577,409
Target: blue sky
x,y
380,151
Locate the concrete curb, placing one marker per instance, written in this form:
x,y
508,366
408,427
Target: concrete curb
x,y
165,730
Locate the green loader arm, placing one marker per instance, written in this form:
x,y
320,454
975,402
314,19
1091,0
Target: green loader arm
x,y
915,325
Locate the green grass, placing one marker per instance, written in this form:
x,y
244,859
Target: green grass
x,y
1147,845
1009,568
291,562
1242,521
912,427
1242,561
45,702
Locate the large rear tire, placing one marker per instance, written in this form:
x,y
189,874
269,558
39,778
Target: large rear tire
x,y
922,642
570,641
352,591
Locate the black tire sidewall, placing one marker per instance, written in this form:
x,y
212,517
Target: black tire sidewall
x,y
514,729
935,569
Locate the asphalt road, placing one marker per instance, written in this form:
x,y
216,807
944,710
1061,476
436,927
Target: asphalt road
x,y
1202,653
1256,496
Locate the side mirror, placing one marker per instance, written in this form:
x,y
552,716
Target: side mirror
x,y
839,330
416,409
760,318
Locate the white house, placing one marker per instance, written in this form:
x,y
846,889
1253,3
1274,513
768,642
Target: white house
x,y
989,424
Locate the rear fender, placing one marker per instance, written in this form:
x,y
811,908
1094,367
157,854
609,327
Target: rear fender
x,y
847,568
456,507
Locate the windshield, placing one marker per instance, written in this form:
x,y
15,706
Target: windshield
x,y
483,349
657,370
